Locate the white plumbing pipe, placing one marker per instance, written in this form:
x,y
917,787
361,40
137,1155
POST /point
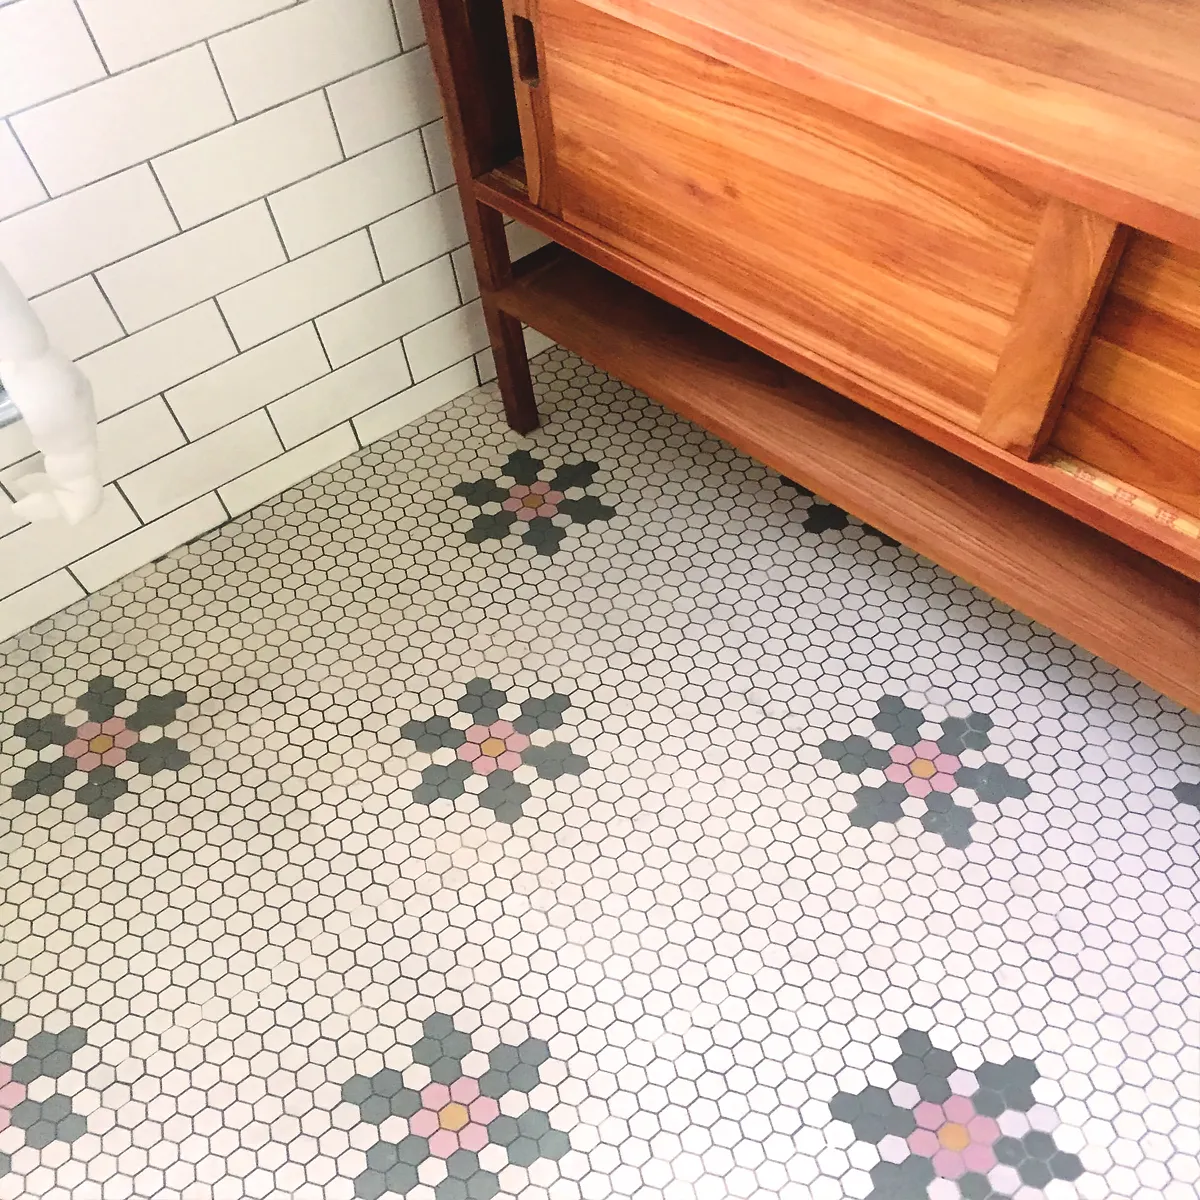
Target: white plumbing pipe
x,y
55,399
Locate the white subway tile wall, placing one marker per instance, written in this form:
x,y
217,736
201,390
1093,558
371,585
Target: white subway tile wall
x,y
238,215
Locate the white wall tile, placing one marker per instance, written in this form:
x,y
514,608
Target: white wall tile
x,y
248,160
535,343
123,120
523,240
408,18
419,233
348,391
300,290
44,51
302,48
19,185
43,547
36,602
65,238
352,195
385,101
129,32
157,358
78,318
127,441
148,543
249,381
387,312
194,266
413,403
289,469
464,272
437,345
438,151
201,466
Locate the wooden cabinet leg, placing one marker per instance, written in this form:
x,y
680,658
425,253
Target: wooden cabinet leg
x,y
512,369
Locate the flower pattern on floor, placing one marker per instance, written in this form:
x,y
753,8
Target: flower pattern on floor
x,y
99,745
478,741
454,1117
980,1130
539,509
50,1118
927,767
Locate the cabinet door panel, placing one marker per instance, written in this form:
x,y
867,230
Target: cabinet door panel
x,y
894,269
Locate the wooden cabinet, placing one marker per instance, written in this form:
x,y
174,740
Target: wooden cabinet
x,y
980,221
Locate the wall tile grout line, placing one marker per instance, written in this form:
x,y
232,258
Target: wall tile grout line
x,y
96,45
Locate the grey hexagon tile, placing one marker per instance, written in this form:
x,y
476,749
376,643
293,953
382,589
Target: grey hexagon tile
x,y
583,815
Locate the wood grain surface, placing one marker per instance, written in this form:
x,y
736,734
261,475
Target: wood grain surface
x,y
1134,410
533,108
1112,600
891,265
1095,101
1073,264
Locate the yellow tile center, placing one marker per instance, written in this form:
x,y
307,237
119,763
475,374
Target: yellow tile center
x,y
954,1136
922,768
453,1117
100,743
493,747
532,501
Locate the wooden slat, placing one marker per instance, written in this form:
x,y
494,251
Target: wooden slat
x,y
1076,255
503,191
533,108
1025,91
1110,599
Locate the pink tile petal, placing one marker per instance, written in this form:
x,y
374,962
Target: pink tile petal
x,y
525,514
500,729
918,787
423,1123
11,1094
540,488
76,749
89,761
924,1142
484,1110
126,738
519,491
979,1158
473,1137
929,1115
469,751
926,750
949,1164
959,1109
943,783
484,765
983,1130
113,757
898,773
516,742
902,754
478,734
464,1090
547,510
88,730
443,1143
555,497
512,505
947,762
508,761
5,1073
435,1096
113,725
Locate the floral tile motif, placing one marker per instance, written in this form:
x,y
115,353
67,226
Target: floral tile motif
x,y
99,745
534,501
915,765
455,1117
823,517
981,1131
478,741
50,1118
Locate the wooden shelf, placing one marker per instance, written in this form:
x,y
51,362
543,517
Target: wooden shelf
x,y
1111,599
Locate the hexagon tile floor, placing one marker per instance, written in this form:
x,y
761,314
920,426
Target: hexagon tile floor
x,y
595,814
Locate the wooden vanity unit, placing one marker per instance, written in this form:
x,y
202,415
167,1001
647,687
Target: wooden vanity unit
x,y
939,260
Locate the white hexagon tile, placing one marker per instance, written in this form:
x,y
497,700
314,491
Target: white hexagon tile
x,y
594,814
